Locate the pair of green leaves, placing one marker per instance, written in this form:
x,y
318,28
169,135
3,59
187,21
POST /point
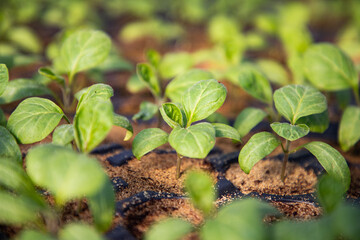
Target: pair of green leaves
x,y
198,102
328,68
296,103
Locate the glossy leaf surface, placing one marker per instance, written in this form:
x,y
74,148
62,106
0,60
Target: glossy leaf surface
x,y
97,91
259,146
316,122
47,72
147,140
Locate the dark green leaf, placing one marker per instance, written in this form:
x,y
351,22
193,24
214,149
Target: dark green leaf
x,y
200,187
296,101
317,122
34,119
169,229
203,99
147,74
332,161
4,78
173,115
63,135
330,193
348,133
123,122
8,146
3,120
223,130
346,221
290,132
147,111
248,119
147,140
195,141
259,146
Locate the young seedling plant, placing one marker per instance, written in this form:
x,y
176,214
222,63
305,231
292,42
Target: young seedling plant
x,y
188,139
297,104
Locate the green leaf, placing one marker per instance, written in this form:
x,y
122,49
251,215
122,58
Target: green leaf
x,y
330,193
169,229
296,101
173,64
4,78
97,91
259,146
153,57
25,38
348,133
22,88
254,83
123,122
63,135
274,71
147,140
195,141
332,161
8,146
135,84
32,234
102,206
84,50
239,220
147,74
173,115
203,99
217,118
328,68
79,231
290,132
200,187
248,119
49,73
3,120
147,111
345,221
17,209
316,122
93,121
223,130
177,87
34,119
67,174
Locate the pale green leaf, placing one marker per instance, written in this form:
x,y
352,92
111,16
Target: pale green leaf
x,y
34,119
274,71
8,146
173,64
203,99
223,130
200,187
217,118
255,83
332,161
49,73
25,38
348,130
169,229
67,174
316,122
93,121
147,111
147,74
153,57
123,122
299,230
296,101
177,87
79,231
97,91
22,88
173,115
32,234
328,68
248,119
195,141
63,135
83,50
259,146
4,78
290,132
135,84
147,140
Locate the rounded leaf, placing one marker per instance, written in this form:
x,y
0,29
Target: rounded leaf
x,y
147,111
223,130
274,71
296,101
248,119
330,193
259,146
63,135
317,122
67,174
4,77
290,132
173,115
97,91
147,140
203,99
348,133
195,141
328,68
169,229
34,119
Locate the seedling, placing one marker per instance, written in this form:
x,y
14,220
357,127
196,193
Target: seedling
x,y
188,139
329,69
303,108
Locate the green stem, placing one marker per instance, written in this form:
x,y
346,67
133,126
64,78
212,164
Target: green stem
x,y
66,118
178,165
285,160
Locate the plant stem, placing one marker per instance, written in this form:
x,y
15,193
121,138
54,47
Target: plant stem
x,y
178,165
285,160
